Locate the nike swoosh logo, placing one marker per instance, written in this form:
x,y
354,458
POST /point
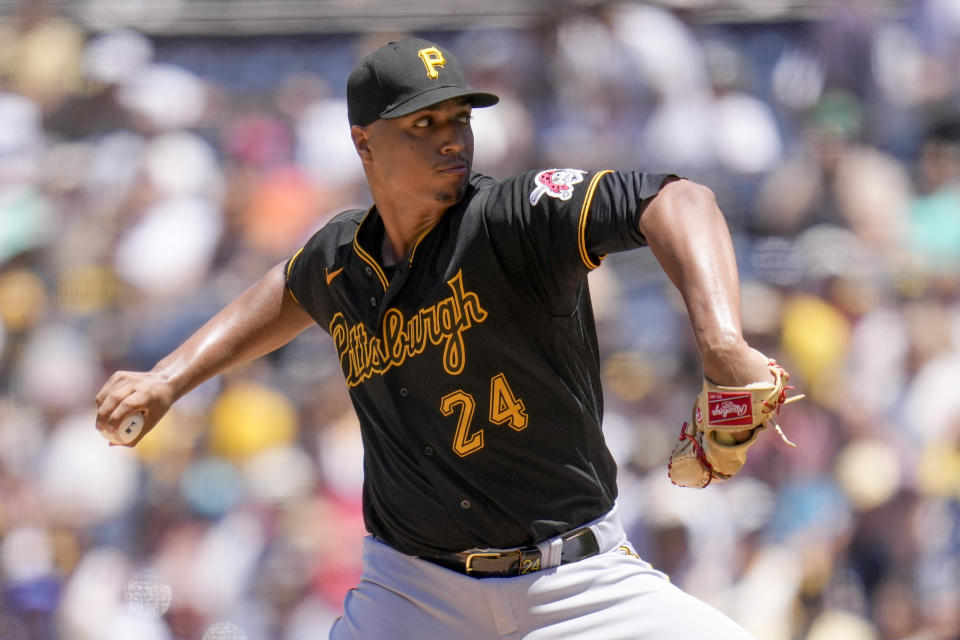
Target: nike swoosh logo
x,y
333,274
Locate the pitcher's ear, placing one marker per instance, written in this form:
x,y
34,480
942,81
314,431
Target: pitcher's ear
x,y
360,141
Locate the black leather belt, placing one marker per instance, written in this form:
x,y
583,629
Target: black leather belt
x,y
577,545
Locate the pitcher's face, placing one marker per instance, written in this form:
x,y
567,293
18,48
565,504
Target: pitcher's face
x,y
426,154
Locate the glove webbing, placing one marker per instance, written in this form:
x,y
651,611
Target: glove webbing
x,y
782,399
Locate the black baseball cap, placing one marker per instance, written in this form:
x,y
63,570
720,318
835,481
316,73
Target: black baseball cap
x,y
402,77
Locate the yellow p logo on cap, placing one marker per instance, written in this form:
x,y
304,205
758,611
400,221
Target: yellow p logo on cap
x,y
432,58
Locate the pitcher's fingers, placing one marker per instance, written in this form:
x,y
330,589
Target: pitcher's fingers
x,y
116,405
108,405
136,401
118,380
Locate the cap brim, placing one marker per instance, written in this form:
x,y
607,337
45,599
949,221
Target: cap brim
x,y
440,94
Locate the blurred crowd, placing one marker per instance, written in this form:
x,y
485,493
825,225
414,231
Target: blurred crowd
x,y
145,182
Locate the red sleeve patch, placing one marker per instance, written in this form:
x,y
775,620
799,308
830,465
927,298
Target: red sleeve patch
x,y
556,183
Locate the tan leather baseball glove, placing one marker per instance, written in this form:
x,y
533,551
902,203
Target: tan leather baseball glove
x,y
707,450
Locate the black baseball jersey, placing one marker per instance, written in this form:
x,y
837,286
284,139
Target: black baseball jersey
x,y
473,363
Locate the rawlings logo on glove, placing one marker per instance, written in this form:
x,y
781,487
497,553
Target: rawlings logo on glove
x,y
708,451
729,408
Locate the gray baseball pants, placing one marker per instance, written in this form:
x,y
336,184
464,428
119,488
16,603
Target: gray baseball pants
x,y
610,596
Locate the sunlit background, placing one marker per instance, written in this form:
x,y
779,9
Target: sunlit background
x,y
157,156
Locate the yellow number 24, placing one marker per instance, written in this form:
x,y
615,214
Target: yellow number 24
x,y
505,408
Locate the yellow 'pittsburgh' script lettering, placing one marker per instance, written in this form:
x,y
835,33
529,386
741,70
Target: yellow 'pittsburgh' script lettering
x,y
363,355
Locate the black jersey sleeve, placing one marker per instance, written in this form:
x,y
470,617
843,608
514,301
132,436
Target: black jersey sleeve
x,y
310,270
305,274
551,227
612,221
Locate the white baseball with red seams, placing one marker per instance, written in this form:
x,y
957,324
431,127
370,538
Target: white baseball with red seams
x,y
128,431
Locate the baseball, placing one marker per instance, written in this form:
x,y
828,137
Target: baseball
x,y
128,431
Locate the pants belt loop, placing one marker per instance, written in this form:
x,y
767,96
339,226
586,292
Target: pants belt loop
x,y
550,552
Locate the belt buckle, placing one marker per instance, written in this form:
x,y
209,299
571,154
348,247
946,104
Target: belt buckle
x,y
588,546
577,534
468,564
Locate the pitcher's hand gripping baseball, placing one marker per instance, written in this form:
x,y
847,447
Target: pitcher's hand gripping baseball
x,y
707,449
130,404
128,431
